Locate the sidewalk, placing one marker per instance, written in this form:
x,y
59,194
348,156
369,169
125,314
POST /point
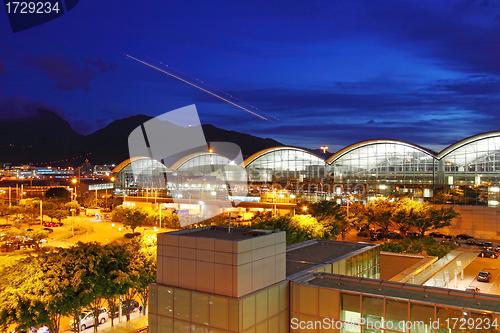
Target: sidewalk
x,y
128,326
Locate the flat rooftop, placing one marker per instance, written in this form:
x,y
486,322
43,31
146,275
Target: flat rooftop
x,y
217,232
406,291
304,256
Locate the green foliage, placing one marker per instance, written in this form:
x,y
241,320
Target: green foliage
x,y
59,193
134,218
298,228
424,246
58,214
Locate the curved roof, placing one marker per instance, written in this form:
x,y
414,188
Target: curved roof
x,y
128,161
467,141
268,150
183,160
350,148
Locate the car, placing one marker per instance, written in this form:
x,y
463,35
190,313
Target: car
x,y
488,254
87,319
448,237
436,234
375,236
52,224
29,229
471,241
480,242
497,249
463,236
488,245
50,230
484,276
128,307
412,233
472,289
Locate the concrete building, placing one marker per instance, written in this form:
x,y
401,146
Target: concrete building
x,y
245,280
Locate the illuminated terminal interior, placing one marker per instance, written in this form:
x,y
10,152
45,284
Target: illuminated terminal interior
x,y
363,171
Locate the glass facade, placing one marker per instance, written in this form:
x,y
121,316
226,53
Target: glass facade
x,y
141,177
285,164
356,312
206,176
366,170
179,310
385,167
363,264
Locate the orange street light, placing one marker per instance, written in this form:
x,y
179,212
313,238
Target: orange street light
x,y
304,208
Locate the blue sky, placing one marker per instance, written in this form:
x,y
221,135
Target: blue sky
x,y
333,72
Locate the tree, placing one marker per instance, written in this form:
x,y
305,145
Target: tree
x,y
143,266
37,235
58,193
134,218
381,212
58,214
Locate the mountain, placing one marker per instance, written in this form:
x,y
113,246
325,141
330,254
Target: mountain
x,y
43,137
46,138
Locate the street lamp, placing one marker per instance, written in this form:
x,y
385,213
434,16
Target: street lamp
x,y
74,182
324,148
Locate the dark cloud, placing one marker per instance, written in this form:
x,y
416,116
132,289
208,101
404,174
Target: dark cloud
x,y
2,68
99,64
102,67
471,85
69,75
66,74
21,107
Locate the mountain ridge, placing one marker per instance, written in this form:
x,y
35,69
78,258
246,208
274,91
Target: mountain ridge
x,y
48,139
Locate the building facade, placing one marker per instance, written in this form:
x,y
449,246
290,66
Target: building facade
x,y
464,173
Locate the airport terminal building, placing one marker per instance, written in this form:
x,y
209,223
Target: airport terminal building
x,y
363,171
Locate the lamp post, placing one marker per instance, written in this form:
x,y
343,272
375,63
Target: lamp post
x,y
324,148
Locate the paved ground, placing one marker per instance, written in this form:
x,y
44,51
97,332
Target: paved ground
x,y
65,323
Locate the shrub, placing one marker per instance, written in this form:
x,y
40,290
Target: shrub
x,y
132,235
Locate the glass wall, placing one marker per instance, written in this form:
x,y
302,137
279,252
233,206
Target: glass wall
x,y
385,167
206,176
178,310
285,165
473,163
356,312
142,177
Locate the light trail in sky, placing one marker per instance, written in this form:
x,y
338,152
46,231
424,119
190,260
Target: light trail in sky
x,y
209,85
202,89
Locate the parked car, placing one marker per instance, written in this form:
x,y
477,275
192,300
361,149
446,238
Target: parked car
x,y
472,289
488,245
463,236
497,249
52,224
29,229
436,234
448,237
128,307
87,319
484,276
412,233
471,241
488,254
480,242
49,230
